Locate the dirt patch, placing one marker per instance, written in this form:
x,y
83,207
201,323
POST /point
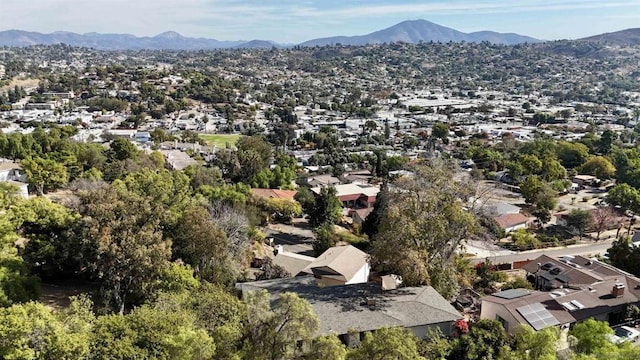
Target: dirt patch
x,y
25,83
57,295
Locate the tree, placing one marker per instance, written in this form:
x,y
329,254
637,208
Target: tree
x,y
122,149
530,164
372,222
440,131
121,245
624,255
269,270
591,336
626,197
199,242
541,195
33,331
45,174
272,332
572,155
605,143
16,284
326,347
46,225
599,166
150,332
422,226
552,170
601,219
529,344
484,341
580,220
325,238
393,343
327,208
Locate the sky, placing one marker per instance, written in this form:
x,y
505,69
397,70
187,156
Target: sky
x,y
294,21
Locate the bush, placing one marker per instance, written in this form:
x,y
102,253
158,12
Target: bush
x,y
524,240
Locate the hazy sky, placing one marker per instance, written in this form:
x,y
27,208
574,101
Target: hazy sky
x,y
299,20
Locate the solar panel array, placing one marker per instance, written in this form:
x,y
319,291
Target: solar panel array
x,y
512,293
537,316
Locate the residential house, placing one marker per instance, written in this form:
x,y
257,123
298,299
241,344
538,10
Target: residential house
x,y
512,222
584,180
570,290
295,264
351,310
177,160
352,195
323,180
11,172
360,177
360,215
341,265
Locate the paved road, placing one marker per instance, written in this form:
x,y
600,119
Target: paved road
x,y
600,247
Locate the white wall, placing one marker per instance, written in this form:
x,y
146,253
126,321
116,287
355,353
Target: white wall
x,y
514,228
489,311
362,276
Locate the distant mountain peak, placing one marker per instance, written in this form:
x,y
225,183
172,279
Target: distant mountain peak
x,y
168,35
414,31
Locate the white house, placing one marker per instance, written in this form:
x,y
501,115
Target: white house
x,y
340,265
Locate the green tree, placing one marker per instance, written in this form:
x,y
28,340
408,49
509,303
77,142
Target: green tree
x,y
44,174
624,256
46,225
440,131
626,197
199,242
272,332
591,336
325,347
599,166
392,343
484,341
122,149
122,245
325,238
422,226
528,344
572,155
34,331
580,220
326,208
16,283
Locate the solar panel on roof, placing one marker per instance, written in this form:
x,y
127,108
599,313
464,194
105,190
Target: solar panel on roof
x,y
512,293
537,316
562,278
569,306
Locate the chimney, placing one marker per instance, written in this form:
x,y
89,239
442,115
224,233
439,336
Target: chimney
x,y
618,289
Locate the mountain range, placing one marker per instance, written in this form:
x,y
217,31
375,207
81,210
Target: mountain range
x,y
411,31
622,37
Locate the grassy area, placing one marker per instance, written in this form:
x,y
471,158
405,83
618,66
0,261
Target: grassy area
x,y
220,140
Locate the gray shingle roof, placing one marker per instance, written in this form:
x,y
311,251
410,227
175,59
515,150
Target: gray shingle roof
x,y
363,307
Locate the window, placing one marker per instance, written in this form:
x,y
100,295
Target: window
x,y
505,323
